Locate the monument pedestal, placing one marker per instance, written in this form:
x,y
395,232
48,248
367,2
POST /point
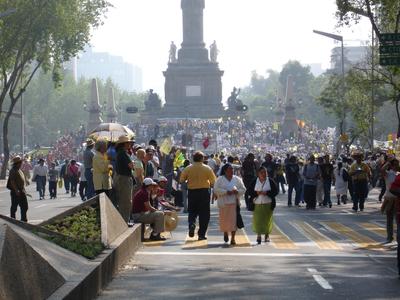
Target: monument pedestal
x,y
193,85
193,91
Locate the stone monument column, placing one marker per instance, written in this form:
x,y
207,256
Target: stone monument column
x,y
193,46
289,126
111,110
94,108
193,85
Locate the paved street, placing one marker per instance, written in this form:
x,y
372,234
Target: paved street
x,y
39,210
322,254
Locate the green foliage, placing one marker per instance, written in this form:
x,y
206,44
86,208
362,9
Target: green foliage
x,y
53,111
82,231
262,93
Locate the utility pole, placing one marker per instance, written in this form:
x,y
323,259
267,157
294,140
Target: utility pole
x,y
372,89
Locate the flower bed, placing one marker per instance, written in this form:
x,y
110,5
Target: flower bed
x,y
79,233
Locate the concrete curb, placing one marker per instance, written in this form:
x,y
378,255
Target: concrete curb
x,y
84,278
107,266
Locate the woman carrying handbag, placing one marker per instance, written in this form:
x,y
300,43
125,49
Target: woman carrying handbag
x,y
229,188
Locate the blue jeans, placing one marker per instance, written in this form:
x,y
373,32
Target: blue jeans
x,y
327,192
89,193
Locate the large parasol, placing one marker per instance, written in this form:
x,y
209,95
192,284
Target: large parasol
x,y
110,132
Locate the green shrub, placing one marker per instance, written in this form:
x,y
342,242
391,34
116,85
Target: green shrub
x,y
82,231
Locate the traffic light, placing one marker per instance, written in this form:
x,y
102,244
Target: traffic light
x,y
242,108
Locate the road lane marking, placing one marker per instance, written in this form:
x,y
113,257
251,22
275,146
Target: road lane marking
x,y
242,240
322,282
247,254
319,279
374,228
280,240
318,238
149,243
360,239
193,243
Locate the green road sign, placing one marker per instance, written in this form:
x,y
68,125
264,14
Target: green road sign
x,y
389,49
390,37
389,61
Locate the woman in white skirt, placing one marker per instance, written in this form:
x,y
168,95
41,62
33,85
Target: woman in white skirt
x,y
341,183
229,189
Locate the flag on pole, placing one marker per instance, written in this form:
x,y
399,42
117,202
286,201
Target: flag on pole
x,y
179,159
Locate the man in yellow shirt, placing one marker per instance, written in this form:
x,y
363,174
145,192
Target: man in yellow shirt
x,y
360,175
199,178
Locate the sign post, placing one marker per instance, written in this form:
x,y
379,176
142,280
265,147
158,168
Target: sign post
x,y
389,49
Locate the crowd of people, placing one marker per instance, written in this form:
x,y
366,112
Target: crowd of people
x,y
147,181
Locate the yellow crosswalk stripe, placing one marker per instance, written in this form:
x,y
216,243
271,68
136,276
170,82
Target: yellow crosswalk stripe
x,y
318,238
374,228
149,243
194,243
280,240
360,239
242,240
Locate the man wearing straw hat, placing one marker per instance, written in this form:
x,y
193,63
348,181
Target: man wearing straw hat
x,y
123,181
16,184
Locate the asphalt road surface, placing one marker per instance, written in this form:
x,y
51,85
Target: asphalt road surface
x,y
323,254
39,210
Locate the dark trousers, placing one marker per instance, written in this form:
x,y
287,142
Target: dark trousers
x,y
327,192
398,248
310,196
199,206
74,185
67,184
41,185
82,189
390,214
383,191
20,201
296,187
360,192
247,183
170,178
89,193
53,189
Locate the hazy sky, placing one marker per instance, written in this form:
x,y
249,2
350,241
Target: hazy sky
x,y
251,35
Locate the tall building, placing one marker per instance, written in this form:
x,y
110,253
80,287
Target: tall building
x,y
352,56
103,65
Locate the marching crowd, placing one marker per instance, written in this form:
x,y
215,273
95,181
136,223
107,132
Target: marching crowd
x,y
144,183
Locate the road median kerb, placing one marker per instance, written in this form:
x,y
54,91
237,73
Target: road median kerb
x,y
84,278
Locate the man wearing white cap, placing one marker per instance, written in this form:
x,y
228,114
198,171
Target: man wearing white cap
x,y
144,212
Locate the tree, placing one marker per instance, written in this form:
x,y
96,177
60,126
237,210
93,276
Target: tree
x,y
40,34
384,16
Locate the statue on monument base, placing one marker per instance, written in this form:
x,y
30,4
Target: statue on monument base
x,y
172,53
233,101
153,102
214,52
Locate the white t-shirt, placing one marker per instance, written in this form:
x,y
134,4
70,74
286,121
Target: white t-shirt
x,y
262,187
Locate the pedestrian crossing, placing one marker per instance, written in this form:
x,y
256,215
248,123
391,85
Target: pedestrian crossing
x,y
323,235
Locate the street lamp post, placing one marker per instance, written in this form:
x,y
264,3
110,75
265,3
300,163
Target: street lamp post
x,y
340,39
